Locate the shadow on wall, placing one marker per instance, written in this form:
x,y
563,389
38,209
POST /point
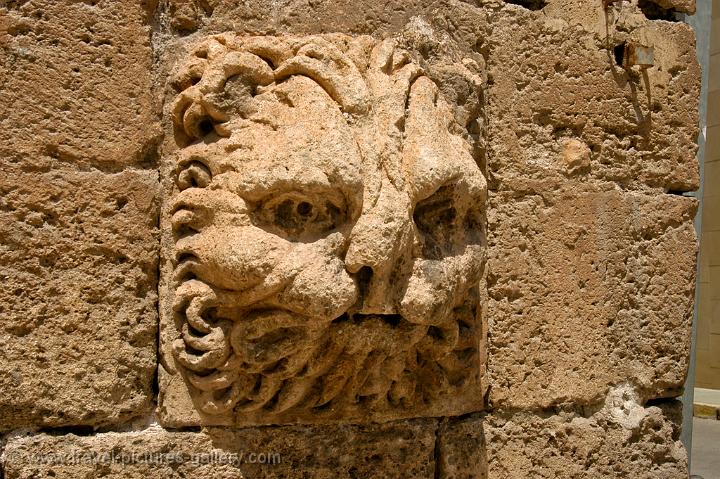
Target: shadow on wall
x,y
418,448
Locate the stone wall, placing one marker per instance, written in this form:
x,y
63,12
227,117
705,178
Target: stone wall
x,y
442,239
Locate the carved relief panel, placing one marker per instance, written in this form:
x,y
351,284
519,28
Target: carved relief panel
x,y
328,230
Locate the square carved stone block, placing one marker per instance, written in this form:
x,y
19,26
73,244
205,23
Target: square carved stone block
x,y
589,287
78,312
562,105
75,80
620,439
324,233
397,450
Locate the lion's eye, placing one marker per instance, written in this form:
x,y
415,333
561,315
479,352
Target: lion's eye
x,y
299,216
294,213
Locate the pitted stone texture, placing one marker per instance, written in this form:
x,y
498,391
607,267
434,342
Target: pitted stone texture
x,y
75,82
461,449
396,450
266,17
557,79
329,233
78,261
594,16
661,9
608,444
589,286
623,439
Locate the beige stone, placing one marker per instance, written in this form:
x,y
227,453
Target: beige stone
x,y
554,81
707,377
588,286
680,6
75,83
711,213
668,10
298,17
390,451
595,17
439,239
78,261
461,449
712,146
576,156
622,439
711,188
713,118
329,236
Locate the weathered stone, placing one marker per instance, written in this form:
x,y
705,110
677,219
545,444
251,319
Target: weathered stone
x,y
622,439
461,449
588,286
300,17
554,80
597,16
78,261
329,234
665,9
393,450
75,82
576,156
331,267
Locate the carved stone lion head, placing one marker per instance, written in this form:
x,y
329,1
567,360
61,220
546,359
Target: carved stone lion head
x,y
329,228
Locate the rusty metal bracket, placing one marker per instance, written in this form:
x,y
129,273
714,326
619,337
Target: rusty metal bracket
x,y
638,55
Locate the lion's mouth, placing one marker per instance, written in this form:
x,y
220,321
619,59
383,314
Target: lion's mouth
x,y
358,318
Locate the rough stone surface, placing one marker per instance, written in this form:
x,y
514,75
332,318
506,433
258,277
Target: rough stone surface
x,y
619,439
329,237
409,238
78,262
78,76
599,17
461,449
297,17
391,450
622,440
588,287
553,80
660,9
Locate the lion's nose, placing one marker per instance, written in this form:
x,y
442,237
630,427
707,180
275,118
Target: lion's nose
x,y
378,243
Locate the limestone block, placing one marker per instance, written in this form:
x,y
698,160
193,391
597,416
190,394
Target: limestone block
x,y
594,16
75,82
621,439
557,78
461,449
325,233
324,16
394,450
78,262
625,440
588,286
658,8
